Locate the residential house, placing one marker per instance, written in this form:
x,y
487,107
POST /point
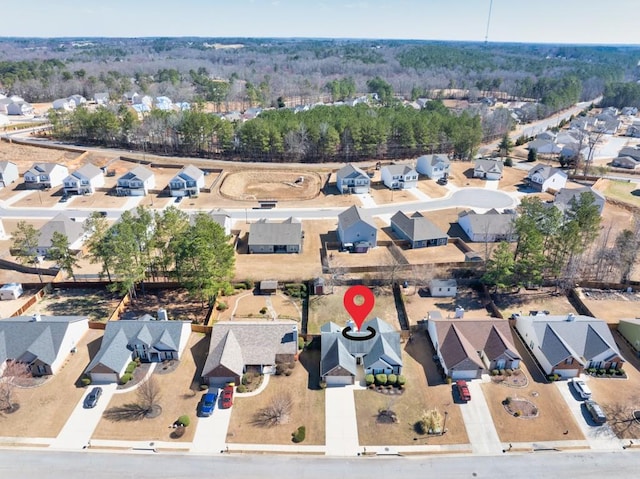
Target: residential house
x,y
565,196
488,227
443,288
145,100
11,291
340,357
77,100
489,169
632,151
468,348
543,177
418,230
19,108
572,150
632,130
136,182
62,104
84,181
357,230
130,97
630,330
272,237
545,147
41,342
163,103
152,340
567,345
63,224
629,111
399,177
45,175
101,98
627,162
572,136
433,166
351,179
237,347
546,135
222,218
8,173
188,182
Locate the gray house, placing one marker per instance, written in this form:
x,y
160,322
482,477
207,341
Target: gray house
x,y
357,230
488,169
61,223
188,182
8,173
418,230
236,346
351,179
399,177
340,356
627,162
565,196
267,237
136,182
488,227
146,338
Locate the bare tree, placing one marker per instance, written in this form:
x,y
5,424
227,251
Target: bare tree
x,y
147,406
277,412
149,396
13,374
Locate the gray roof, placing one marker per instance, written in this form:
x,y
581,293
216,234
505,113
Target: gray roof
x,y
46,168
5,164
633,152
253,343
21,337
564,196
87,171
487,165
400,169
443,283
385,345
220,216
544,170
115,350
265,233
354,215
61,223
190,172
417,227
139,172
351,171
435,159
491,222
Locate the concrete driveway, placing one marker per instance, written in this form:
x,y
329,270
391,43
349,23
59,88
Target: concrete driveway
x,y
598,437
211,432
341,424
79,428
479,423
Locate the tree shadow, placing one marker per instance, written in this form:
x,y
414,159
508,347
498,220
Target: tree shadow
x,y
421,350
93,347
132,412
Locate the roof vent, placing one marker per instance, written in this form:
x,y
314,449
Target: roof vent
x,y
36,317
571,317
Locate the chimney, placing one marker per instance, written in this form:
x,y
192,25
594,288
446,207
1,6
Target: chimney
x,y
571,317
36,317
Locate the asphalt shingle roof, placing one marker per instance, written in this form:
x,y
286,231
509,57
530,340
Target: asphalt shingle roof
x,y
354,215
266,233
61,223
417,227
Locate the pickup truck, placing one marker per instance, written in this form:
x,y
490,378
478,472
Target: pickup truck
x,y
463,390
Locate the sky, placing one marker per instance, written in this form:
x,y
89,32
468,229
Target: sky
x,y
527,21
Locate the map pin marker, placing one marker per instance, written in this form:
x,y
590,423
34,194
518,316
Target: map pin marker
x,y
359,310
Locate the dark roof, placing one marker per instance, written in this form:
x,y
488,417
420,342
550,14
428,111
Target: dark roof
x,y
354,215
265,233
417,227
61,223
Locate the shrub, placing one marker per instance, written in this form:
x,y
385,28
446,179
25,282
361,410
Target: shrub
x,y
508,372
401,380
300,342
323,385
204,387
263,310
507,401
241,388
612,372
280,368
228,290
369,379
392,379
183,420
494,372
125,378
381,379
591,370
287,372
502,372
249,283
85,381
508,162
517,413
449,380
221,306
621,372
299,435
131,367
138,361
601,372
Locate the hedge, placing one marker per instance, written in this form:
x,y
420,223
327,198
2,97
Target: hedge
x,y
299,435
369,379
381,379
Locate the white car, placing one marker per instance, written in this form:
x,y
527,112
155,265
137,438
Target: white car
x,y
581,388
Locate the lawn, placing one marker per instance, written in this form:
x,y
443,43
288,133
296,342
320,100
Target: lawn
x,y
45,409
330,307
627,192
308,407
424,390
246,305
97,304
180,395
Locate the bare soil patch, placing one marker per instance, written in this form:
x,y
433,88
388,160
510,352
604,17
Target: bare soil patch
x,y
177,302
611,305
25,156
418,303
383,195
246,306
431,188
436,254
543,299
271,185
97,304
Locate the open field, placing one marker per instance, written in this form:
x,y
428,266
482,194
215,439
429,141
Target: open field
x,y
180,395
177,302
620,190
419,303
246,305
611,306
330,307
424,390
97,304
308,407
271,185
45,409
543,299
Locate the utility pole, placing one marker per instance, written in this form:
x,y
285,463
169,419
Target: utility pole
x,y
486,36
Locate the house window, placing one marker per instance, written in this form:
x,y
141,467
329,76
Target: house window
x,y
569,361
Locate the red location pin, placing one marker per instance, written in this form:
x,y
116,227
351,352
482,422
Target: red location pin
x,y
360,311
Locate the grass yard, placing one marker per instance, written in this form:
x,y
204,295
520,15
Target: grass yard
x,y
628,192
246,305
543,299
308,407
180,395
420,395
39,198
435,254
45,409
97,303
330,307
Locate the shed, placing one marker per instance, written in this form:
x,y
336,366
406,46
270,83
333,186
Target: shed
x,y
318,286
445,288
11,291
268,286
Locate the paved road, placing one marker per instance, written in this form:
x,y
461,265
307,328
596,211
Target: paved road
x,y
36,464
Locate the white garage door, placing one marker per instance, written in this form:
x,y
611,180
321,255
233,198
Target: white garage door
x,y
338,380
220,382
567,373
103,378
464,374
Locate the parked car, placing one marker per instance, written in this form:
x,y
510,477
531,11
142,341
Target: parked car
x,y
178,199
208,404
463,390
227,396
596,411
581,388
442,181
92,398
64,199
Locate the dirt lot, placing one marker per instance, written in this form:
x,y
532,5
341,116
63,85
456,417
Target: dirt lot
x,y
26,156
431,188
180,395
38,198
271,185
611,306
53,400
543,299
330,307
419,303
383,195
245,305
424,390
178,304
620,190
98,303
308,407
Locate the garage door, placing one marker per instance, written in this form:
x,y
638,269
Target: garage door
x,y
338,380
220,382
464,374
567,373
103,378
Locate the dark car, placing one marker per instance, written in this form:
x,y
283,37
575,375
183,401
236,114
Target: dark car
x,y
208,404
64,199
442,181
227,396
596,412
92,398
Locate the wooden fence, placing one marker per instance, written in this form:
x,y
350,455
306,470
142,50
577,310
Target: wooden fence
x,y
33,300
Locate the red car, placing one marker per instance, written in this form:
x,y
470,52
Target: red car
x,y
463,390
227,396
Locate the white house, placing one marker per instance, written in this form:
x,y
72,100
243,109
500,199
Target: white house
x,y
84,180
488,169
62,104
45,175
188,182
357,230
19,108
543,177
8,173
101,98
136,182
399,177
433,166
545,147
351,179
